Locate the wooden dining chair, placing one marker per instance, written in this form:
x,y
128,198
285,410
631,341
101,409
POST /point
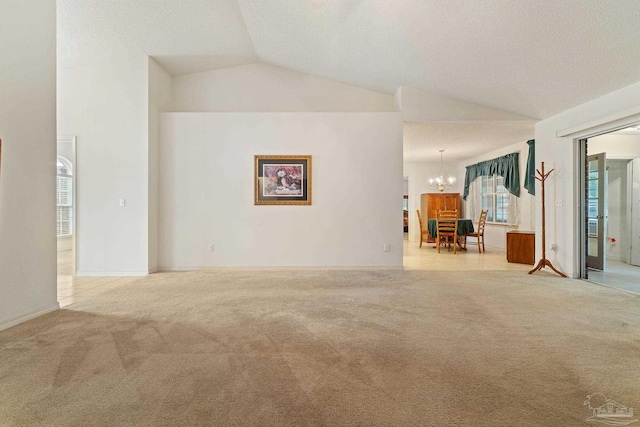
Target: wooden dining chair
x,y
480,233
447,222
424,232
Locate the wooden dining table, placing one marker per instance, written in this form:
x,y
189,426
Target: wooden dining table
x,y
465,226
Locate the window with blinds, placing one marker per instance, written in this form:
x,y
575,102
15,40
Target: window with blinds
x,y
495,199
64,198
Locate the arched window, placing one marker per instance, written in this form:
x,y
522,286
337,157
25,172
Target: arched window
x,y
64,197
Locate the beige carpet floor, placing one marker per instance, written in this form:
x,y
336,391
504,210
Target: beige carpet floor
x,y
325,348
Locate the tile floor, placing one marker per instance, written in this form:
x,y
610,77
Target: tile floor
x,y
428,258
72,289
618,275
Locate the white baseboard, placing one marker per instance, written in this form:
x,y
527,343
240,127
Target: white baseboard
x,y
25,317
111,273
177,269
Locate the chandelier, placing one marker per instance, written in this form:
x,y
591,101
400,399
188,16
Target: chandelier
x,y
441,182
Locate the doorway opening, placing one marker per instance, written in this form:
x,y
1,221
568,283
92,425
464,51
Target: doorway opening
x,y
405,207
611,209
66,206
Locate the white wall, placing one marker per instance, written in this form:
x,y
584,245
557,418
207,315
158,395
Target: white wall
x,y
617,222
65,149
556,146
106,106
262,87
495,235
160,96
27,180
207,190
615,145
418,174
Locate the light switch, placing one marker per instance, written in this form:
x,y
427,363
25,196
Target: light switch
x,y
122,203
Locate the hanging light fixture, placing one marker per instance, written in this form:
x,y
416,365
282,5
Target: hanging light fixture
x,y
441,182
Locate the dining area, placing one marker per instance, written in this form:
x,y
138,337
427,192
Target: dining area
x,y
463,233
448,230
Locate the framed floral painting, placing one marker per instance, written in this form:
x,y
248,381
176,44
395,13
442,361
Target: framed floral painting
x,y
283,180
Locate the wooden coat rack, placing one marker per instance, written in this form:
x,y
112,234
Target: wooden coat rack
x,y
544,262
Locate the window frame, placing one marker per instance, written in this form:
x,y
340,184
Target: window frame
x,y
495,194
69,206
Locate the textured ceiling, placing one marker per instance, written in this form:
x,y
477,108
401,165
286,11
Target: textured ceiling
x,y
532,57
183,36
461,140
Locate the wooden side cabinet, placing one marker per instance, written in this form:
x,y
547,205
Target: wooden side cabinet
x,y
521,247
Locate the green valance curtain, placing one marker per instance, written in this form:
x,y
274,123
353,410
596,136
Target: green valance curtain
x,y
529,177
506,166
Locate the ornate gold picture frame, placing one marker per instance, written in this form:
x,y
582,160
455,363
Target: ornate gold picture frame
x,y
282,180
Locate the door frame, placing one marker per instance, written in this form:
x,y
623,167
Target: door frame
x,y
580,188
601,259
631,171
581,220
74,180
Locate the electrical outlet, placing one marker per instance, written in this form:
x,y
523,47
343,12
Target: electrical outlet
x,y
211,248
386,247
558,203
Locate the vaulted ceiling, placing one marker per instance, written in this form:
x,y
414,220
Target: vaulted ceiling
x,y
535,58
531,57
193,35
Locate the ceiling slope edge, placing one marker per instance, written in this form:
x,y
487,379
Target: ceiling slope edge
x,y
179,65
418,105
